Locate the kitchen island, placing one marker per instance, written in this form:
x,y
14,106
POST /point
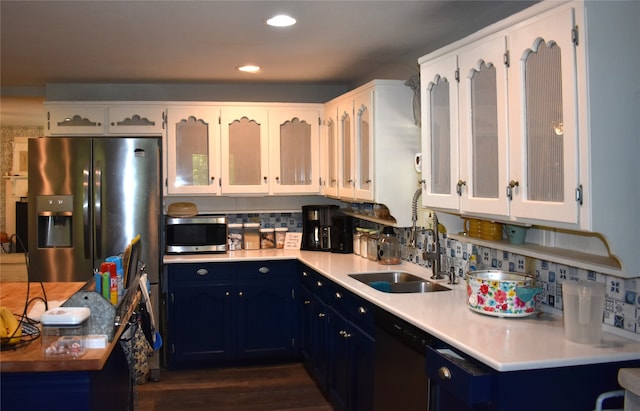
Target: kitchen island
x,y
99,379
525,349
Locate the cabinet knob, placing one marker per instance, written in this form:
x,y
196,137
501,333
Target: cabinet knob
x,y
512,185
227,293
319,283
240,294
307,302
344,334
304,274
368,181
212,178
444,373
338,295
277,180
265,179
362,310
461,183
321,315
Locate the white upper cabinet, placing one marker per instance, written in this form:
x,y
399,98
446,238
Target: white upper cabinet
x,y
245,150
75,119
294,140
439,97
571,111
193,138
543,119
483,128
377,140
136,120
330,151
112,118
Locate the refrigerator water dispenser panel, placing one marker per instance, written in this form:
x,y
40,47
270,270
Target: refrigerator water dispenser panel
x,y
55,221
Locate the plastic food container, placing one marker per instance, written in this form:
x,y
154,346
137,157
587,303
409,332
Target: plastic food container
x,y
251,236
281,234
267,238
64,330
234,236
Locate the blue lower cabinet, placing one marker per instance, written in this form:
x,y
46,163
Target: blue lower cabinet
x,y
222,313
338,347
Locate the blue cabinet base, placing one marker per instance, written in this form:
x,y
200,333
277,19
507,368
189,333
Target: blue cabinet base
x,y
108,389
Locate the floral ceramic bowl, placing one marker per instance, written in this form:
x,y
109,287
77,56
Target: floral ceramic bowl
x,y
502,294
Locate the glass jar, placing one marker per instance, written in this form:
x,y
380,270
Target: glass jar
x,y
281,234
389,251
251,236
267,238
364,242
356,241
372,245
234,236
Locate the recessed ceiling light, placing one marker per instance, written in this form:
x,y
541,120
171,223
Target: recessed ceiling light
x,y
281,20
249,68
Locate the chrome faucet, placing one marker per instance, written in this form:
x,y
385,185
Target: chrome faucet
x,y
434,257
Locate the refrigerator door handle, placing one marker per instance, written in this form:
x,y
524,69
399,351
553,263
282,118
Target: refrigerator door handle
x,y
85,213
98,210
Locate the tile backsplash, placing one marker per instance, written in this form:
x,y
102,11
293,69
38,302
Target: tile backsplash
x,y
622,300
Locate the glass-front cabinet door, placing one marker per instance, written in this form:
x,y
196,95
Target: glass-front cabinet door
x,y
363,146
346,180
329,150
244,150
192,150
483,128
294,139
543,180
439,95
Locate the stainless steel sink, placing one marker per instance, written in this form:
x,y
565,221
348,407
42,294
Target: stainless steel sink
x,y
397,282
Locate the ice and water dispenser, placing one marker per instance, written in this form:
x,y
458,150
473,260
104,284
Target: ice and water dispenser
x,y
55,221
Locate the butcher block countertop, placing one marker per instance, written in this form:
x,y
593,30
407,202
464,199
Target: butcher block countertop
x,y
31,358
504,344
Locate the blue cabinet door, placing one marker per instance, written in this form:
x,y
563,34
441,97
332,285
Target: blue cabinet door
x,y
201,323
265,318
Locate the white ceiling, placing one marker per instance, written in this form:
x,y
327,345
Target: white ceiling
x,y
334,42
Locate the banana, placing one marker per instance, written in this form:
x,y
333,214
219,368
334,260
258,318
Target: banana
x,y
10,326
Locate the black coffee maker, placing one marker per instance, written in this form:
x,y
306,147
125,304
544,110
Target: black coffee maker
x,y
316,227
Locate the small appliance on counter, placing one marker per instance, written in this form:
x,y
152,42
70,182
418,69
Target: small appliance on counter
x,y
199,234
316,227
342,234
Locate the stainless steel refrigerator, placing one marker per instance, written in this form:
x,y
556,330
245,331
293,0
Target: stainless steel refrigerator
x,y
88,198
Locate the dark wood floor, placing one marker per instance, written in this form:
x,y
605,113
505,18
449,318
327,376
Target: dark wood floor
x,y
262,388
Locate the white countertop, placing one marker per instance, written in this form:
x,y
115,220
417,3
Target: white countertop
x,y
504,344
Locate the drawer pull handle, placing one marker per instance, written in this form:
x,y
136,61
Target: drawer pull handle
x,y
202,271
444,373
263,270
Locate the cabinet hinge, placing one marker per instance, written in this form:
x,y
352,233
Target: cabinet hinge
x,y
164,120
579,194
220,182
574,36
219,120
457,75
319,121
506,60
293,294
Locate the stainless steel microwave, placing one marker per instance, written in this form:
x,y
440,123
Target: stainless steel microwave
x,y
198,234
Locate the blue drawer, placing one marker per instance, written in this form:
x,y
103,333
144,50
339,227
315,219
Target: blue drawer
x,y
461,377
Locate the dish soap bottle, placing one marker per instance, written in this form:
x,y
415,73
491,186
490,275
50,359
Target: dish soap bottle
x,y
389,247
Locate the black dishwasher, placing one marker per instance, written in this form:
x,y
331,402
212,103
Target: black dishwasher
x,y
400,381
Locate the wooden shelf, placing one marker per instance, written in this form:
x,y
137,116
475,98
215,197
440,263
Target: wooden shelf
x,y
587,261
